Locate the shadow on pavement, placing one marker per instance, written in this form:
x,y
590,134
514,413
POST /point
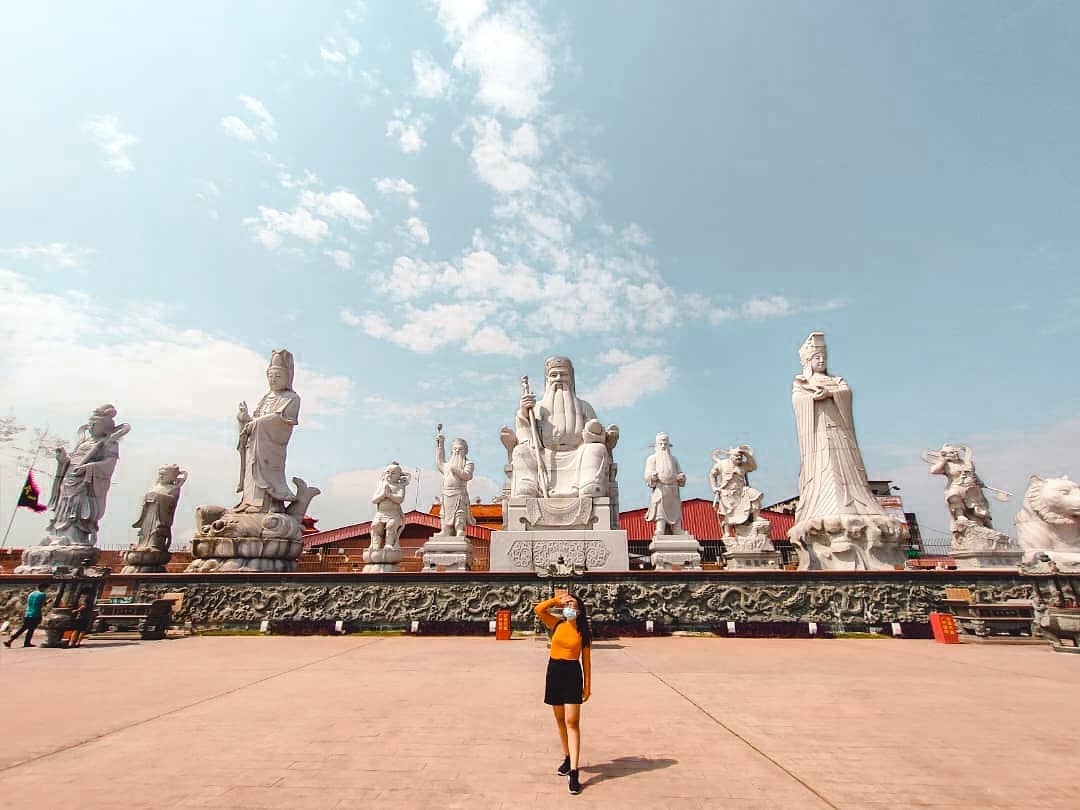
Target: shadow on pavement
x,y
625,766
91,644
602,646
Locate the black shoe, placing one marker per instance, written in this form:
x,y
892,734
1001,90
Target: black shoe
x,y
28,644
8,644
575,785
564,769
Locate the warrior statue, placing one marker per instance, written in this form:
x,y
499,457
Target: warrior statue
x,y
736,502
969,512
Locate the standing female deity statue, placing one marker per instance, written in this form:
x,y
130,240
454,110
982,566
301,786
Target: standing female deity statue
x,y
839,523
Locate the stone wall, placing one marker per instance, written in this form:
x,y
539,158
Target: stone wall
x,y
679,599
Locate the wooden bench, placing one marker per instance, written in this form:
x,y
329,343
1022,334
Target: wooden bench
x,y
150,619
985,619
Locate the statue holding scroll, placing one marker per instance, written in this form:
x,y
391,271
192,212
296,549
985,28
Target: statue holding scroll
x,y
151,553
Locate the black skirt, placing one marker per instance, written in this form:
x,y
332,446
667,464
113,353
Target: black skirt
x,y
564,682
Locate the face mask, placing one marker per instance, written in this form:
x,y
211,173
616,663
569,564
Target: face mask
x,y
569,614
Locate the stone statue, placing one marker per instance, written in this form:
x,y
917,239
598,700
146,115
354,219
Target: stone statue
x,y
664,477
263,531
448,550
457,472
839,524
672,546
561,477
1048,525
736,502
384,553
562,449
975,541
151,553
78,497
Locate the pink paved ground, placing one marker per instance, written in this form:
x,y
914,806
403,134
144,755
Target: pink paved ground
x,y
413,722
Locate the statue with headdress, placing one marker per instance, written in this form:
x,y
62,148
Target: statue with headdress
x,y
672,546
151,553
78,497
839,524
384,552
736,502
263,531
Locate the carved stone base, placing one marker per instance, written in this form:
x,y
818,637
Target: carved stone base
x,y
558,514
145,561
742,560
46,559
674,552
849,543
594,549
447,553
224,565
1009,558
381,560
244,553
1050,562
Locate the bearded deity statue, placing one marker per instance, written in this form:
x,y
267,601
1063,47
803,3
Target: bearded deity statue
x,y
78,497
839,524
263,531
672,546
151,553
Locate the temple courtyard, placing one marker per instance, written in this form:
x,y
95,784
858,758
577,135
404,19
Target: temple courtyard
x,y
694,722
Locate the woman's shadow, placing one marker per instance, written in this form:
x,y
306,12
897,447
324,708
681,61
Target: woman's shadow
x,y
625,766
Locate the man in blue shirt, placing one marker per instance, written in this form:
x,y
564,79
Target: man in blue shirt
x,y
34,604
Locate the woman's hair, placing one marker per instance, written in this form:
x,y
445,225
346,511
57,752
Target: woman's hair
x,y
583,626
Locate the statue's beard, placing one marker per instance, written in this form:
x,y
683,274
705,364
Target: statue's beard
x,y
665,465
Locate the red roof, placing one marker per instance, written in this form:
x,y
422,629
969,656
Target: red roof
x,y
356,530
699,518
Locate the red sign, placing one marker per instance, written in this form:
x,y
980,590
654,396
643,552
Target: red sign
x,y
944,627
502,625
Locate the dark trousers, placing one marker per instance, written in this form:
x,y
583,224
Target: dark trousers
x,y
29,625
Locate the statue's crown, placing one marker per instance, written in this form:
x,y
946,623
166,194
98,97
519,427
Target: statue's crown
x,y
558,362
814,343
283,359
107,411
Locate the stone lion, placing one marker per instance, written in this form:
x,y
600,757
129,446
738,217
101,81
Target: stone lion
x,y
1049,522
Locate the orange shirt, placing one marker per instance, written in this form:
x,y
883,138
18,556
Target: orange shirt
x,y
566,640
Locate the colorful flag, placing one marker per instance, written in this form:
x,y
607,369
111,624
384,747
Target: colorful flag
x,y
30,495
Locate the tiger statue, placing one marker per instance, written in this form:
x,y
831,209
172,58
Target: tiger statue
x,y
1049,522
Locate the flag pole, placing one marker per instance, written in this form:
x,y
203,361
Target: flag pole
x,y
33,461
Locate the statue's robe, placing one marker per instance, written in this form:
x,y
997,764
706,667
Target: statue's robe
x,y
665,502
736,499
455,492
832,477
156,519
78,501
262,446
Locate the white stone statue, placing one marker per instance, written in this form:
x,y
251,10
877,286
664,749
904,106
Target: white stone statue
x,y
562,449
388,496
974,538
664,477
1048,524
151,553
736,502
264,531
839,524
78,497
454,511
264,439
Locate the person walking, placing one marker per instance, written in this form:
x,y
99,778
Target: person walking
x,y
34,604
569,680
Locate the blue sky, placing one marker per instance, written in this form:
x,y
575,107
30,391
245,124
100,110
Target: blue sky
x,y
423,200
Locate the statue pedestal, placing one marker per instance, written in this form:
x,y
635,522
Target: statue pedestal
x,y
849,543
751,547
382,560
247,541
538,531
145,561
448,553
977,546
46,559
675,551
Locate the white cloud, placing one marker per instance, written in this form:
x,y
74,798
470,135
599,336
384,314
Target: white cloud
x,y
58,254
507,54
272,225
341,204
339,50
342,258
493,340
264,121
632,381
235,128
289,181
112,141
778,306
348,317
431,80
417,230
634,235
458,17
400,187
502,162
407,129
616,357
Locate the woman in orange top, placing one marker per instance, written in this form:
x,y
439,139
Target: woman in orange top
x,y
568,680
